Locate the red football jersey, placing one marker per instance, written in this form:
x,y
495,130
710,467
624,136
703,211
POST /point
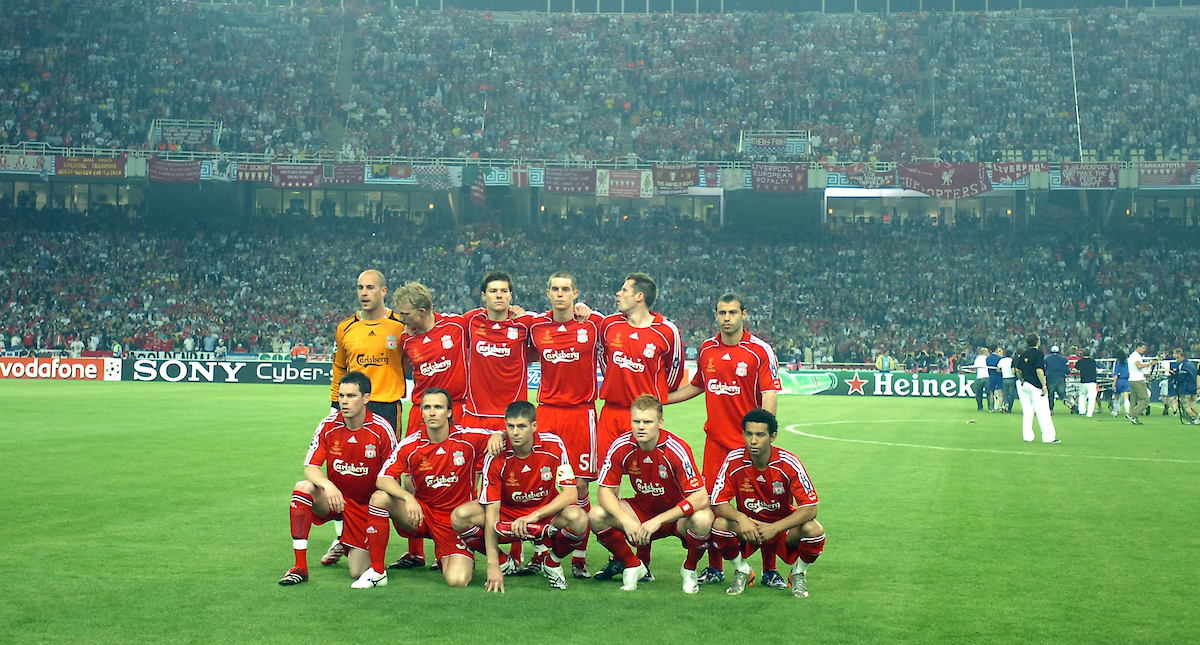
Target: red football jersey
x,y
443,474
530,483
354,458
733,379
496,363
661,478
569,353
438,357
639,360
765,495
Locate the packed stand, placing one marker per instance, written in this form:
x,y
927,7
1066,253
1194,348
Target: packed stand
x,y
683,86
845,294
92,74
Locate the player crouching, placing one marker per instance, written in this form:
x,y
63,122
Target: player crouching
x,y
440,464
775,504
354,442
669,495
528,493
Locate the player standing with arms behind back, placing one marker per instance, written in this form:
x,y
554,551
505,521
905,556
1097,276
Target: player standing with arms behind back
x,y
641,354
569,353
737,372
369,341
436,346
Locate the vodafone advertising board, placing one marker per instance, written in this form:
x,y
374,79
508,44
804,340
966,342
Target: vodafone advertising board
x,y
73,369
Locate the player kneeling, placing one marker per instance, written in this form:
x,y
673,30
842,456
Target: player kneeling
x,y
440,462
354,442
529,493
669,496
775,504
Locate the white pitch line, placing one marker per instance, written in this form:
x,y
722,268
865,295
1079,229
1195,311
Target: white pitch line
x,y
792,428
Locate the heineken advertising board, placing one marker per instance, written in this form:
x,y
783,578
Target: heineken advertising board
x,y
872,383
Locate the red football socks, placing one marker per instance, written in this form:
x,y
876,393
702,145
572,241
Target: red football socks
x,y
378,533
615,541
811,547
301,515
564,543
724,544
695,549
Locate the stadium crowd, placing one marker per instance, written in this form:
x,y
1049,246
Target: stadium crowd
x,y
844,294
456,83
90,74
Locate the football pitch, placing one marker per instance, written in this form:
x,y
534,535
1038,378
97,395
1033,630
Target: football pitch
x,y
156,512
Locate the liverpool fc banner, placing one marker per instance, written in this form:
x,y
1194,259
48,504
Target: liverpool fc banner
x,y
675,178
1007,172
779,177
1089,175
632,184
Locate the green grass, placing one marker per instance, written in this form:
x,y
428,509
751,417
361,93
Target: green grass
x,y
158,512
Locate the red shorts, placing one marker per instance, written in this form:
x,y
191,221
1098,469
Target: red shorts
x,y
645,513
614,422
354,527
786,553
510,513
416,421
577,429
468,420
436,525
714,456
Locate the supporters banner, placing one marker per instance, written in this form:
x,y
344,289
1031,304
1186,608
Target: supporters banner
x,y
734,179
174,172
479,188
391,173
631,184
570,181
945,180
434,177
1089,175
89,166
520,176
344,174
308,175
25,164
253,171
869,382
779,177
1167,173
186,137
218,170
227,371
77,369
1007,172
764,146
710,176
866,175
675,178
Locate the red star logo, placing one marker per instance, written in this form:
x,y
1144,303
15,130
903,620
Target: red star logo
x,y
856,385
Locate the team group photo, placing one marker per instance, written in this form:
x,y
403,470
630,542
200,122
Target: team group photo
x,y
600,321
480,466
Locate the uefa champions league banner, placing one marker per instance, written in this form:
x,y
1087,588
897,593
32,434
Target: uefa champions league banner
x,y
868,382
